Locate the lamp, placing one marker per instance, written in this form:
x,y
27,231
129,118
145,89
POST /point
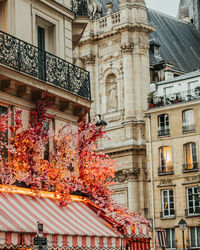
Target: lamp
x,y
182,225
100,121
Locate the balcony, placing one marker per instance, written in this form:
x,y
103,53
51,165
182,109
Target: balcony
x,y
193,211
172,214
188,128
165,170
28,59
184,96
163,131
190,167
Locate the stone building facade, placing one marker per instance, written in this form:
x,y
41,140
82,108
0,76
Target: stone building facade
x,y
36,41
173,153
114,48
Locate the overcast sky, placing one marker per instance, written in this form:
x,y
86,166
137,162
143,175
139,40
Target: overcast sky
x,y
169,7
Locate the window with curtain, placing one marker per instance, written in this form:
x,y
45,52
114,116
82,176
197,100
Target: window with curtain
x,y
163,125
193,201
167,203
190,156
188,120
170,238
165,159
195,237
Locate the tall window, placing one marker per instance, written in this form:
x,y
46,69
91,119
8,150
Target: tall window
x,y
193,201
188,120
3,135
195,237
167,203
190,156
46,150
163,125
170,238
165,160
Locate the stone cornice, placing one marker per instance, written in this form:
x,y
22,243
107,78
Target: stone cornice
x,y
127,175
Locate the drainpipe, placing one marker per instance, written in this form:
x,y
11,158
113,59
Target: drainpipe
x,y
152,181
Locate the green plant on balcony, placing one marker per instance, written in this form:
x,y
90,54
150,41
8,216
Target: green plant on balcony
x,y
151,99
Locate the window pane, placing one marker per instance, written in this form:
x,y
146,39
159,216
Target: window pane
x,y
198,236
192,237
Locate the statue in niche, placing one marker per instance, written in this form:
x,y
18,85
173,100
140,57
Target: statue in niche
x,y
112,93
95,9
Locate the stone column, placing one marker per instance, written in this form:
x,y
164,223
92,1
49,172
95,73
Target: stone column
x,y
133,189
127,50
89,65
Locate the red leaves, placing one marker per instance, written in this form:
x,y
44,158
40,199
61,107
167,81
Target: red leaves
x,y
73,151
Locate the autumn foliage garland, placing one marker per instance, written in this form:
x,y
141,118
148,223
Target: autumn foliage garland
x,y
25,164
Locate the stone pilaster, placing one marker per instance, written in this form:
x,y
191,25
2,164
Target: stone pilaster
x,y
89,65
127,51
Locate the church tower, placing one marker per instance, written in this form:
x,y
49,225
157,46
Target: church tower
x,y
115,49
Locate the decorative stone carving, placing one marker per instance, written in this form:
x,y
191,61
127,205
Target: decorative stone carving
x,y
165,182
94,9
89,59
191,179
127,175
111,92
127,48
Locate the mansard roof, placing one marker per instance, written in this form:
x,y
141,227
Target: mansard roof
x,y
179,40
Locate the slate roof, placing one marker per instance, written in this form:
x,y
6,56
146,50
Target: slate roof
x,y
179,40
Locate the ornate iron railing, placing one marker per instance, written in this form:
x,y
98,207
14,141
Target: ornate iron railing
x,y
79,7
47,67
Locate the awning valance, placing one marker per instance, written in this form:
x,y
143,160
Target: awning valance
x,y
76,225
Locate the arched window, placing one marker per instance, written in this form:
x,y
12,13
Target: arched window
x,y
190,156
111,92
188,120
165,160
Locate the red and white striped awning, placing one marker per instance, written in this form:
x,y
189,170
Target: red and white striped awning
x,y
74,226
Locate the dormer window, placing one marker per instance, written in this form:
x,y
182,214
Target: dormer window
x,y
154,47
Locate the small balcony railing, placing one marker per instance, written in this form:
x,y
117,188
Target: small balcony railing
x,y
188,127
163,131
171,244
79,7
165,170
193,211
190,167
184,96
171,214
26,58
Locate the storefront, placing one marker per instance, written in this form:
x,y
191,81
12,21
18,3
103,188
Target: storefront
x,y
75,226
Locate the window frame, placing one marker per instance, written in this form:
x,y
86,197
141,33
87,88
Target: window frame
x,y
163,130
196,237
172,238
170,210
193,155
188,126
165,168
194,206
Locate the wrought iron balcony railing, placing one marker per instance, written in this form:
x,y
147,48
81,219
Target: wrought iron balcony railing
x,y
79,7
165,170
187,167
192,211
163,131
188,127
168,214
184,96
25,57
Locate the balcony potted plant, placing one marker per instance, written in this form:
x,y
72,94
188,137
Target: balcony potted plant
x,y
177,98
151,100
